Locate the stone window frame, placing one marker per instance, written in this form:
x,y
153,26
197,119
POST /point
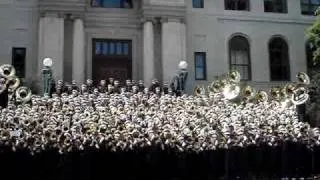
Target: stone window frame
x,y
311,7
284,61
20,71
197,3
204,65
99,4
244,47
275,6
235,5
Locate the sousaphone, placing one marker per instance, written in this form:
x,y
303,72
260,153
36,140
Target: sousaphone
x,y
7,70
23,94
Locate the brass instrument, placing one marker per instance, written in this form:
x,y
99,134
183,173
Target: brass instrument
x,y
231,91
303,78
289,88
262,96
233,76
7,70
275,93
300,96
23,94
199,90
248,93
217,86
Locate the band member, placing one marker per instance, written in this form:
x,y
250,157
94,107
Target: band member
x,y
74,85
102,86
4,96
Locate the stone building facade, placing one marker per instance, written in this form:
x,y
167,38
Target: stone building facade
x,y
149,38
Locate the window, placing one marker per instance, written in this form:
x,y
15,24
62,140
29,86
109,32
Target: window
x,y
279,60
197,3
276,6
112,3
113,48
200,66
240,5
19,60
239,56
308,7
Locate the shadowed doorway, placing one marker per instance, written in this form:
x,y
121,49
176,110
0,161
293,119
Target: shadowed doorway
x,y
111,58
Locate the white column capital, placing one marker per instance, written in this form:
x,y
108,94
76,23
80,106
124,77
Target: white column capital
x,y
148,19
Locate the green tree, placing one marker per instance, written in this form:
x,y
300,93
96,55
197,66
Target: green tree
x,y
313,35
313,106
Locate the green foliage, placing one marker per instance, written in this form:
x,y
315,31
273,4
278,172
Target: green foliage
x,y
313,35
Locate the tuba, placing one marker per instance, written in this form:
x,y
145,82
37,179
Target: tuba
x,y
13,83
231,91
7,70
216,86
233,76
248,93
262,96
300,96
199,91
289,88
303,78
23,94
275,93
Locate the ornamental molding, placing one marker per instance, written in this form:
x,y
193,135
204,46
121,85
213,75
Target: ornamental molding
x,y
63,7
167,12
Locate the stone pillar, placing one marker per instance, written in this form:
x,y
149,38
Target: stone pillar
x,y
148,52
51,43
173,47
78,52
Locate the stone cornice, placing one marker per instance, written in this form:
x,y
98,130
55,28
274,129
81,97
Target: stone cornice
x,y
169,12
63,7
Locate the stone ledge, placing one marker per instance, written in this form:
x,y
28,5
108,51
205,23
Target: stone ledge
x,y
153,11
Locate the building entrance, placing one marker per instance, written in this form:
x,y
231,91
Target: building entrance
x,y
111,58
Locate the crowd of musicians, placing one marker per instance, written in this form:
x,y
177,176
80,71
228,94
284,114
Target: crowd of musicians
x,y
125,118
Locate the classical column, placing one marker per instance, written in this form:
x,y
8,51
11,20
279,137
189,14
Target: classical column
x,y
173,47
148,52
51,43
78,51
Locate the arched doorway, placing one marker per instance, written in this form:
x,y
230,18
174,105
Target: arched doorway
x,y
111,58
